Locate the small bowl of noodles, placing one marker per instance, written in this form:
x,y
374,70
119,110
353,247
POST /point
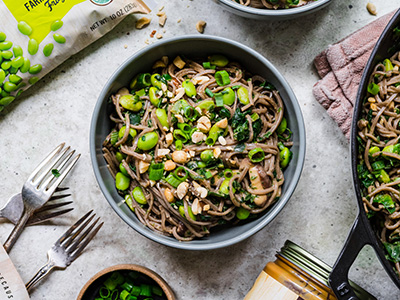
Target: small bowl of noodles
x,y
197,147
274,10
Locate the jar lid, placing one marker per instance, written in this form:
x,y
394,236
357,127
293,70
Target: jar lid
x,y
315,267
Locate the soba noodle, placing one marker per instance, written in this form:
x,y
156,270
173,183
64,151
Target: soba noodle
x,y
202,144
379,154
273,4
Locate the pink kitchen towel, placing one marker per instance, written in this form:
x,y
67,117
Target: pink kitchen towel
x,y
340,68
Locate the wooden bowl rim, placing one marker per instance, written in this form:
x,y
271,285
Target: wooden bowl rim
x,y
132,267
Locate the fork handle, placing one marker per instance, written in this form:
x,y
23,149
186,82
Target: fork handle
x,y
42,273
12,238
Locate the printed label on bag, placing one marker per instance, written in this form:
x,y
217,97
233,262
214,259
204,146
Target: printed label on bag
x,y
11,284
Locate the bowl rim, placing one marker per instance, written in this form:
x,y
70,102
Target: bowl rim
x,y
275,13
272,213
131,267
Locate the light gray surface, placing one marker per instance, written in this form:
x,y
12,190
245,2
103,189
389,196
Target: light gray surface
x,y
317,217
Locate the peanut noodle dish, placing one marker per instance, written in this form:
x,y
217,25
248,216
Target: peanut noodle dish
x,y
379,155
273,4
197,144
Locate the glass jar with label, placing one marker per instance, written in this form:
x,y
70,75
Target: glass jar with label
x,y
297,275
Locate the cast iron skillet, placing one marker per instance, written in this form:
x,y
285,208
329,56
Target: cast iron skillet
x,y
362,233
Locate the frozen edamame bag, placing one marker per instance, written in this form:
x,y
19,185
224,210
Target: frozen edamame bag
x,y
38,35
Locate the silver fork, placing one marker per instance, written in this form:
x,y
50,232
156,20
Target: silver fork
x,y
41,185
14,208
68,247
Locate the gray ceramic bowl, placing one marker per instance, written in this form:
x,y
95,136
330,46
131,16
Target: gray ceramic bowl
x,y
190,46
272,15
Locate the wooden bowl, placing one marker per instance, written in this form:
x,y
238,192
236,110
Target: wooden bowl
x,y
98,279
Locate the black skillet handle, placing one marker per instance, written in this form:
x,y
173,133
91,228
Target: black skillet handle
x,y
338,279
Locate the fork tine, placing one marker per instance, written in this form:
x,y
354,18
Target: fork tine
x,y
71,238
72,228
59,197
59,164
52,206
48,158
55,184
46,170
35,219
85,242
61,189
70,249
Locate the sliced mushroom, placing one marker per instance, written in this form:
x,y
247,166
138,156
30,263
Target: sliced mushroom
x,y
259,181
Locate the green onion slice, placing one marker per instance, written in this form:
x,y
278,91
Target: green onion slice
x,y
179,134
172,180
256,155
209,93
222,78
373,88
219,101
180,170
156,171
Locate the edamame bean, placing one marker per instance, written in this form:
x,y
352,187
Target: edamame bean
x,y
206,106
123,170
243,95
119,156
213,134
189,87
59,38
218,60
21,84
242,213
282,127
139,196
155,80
284,157
24,28
48,49
2,76
6,100
388,149
373,150
128,201
131,102
33,80
13,70
5,45
14,79
4,93
122,182
35,69
6,54
33,46
121,132
3,36
153,95
17,50
57,24
17,62
26,65
224,188
228,96
162,117
9,86
148,141
19,93
6,65
207,155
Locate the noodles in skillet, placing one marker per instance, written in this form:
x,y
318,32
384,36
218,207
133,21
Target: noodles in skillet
x,y
197,144
273,4
379,154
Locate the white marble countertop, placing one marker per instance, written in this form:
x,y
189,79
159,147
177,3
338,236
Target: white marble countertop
x,y
59,107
